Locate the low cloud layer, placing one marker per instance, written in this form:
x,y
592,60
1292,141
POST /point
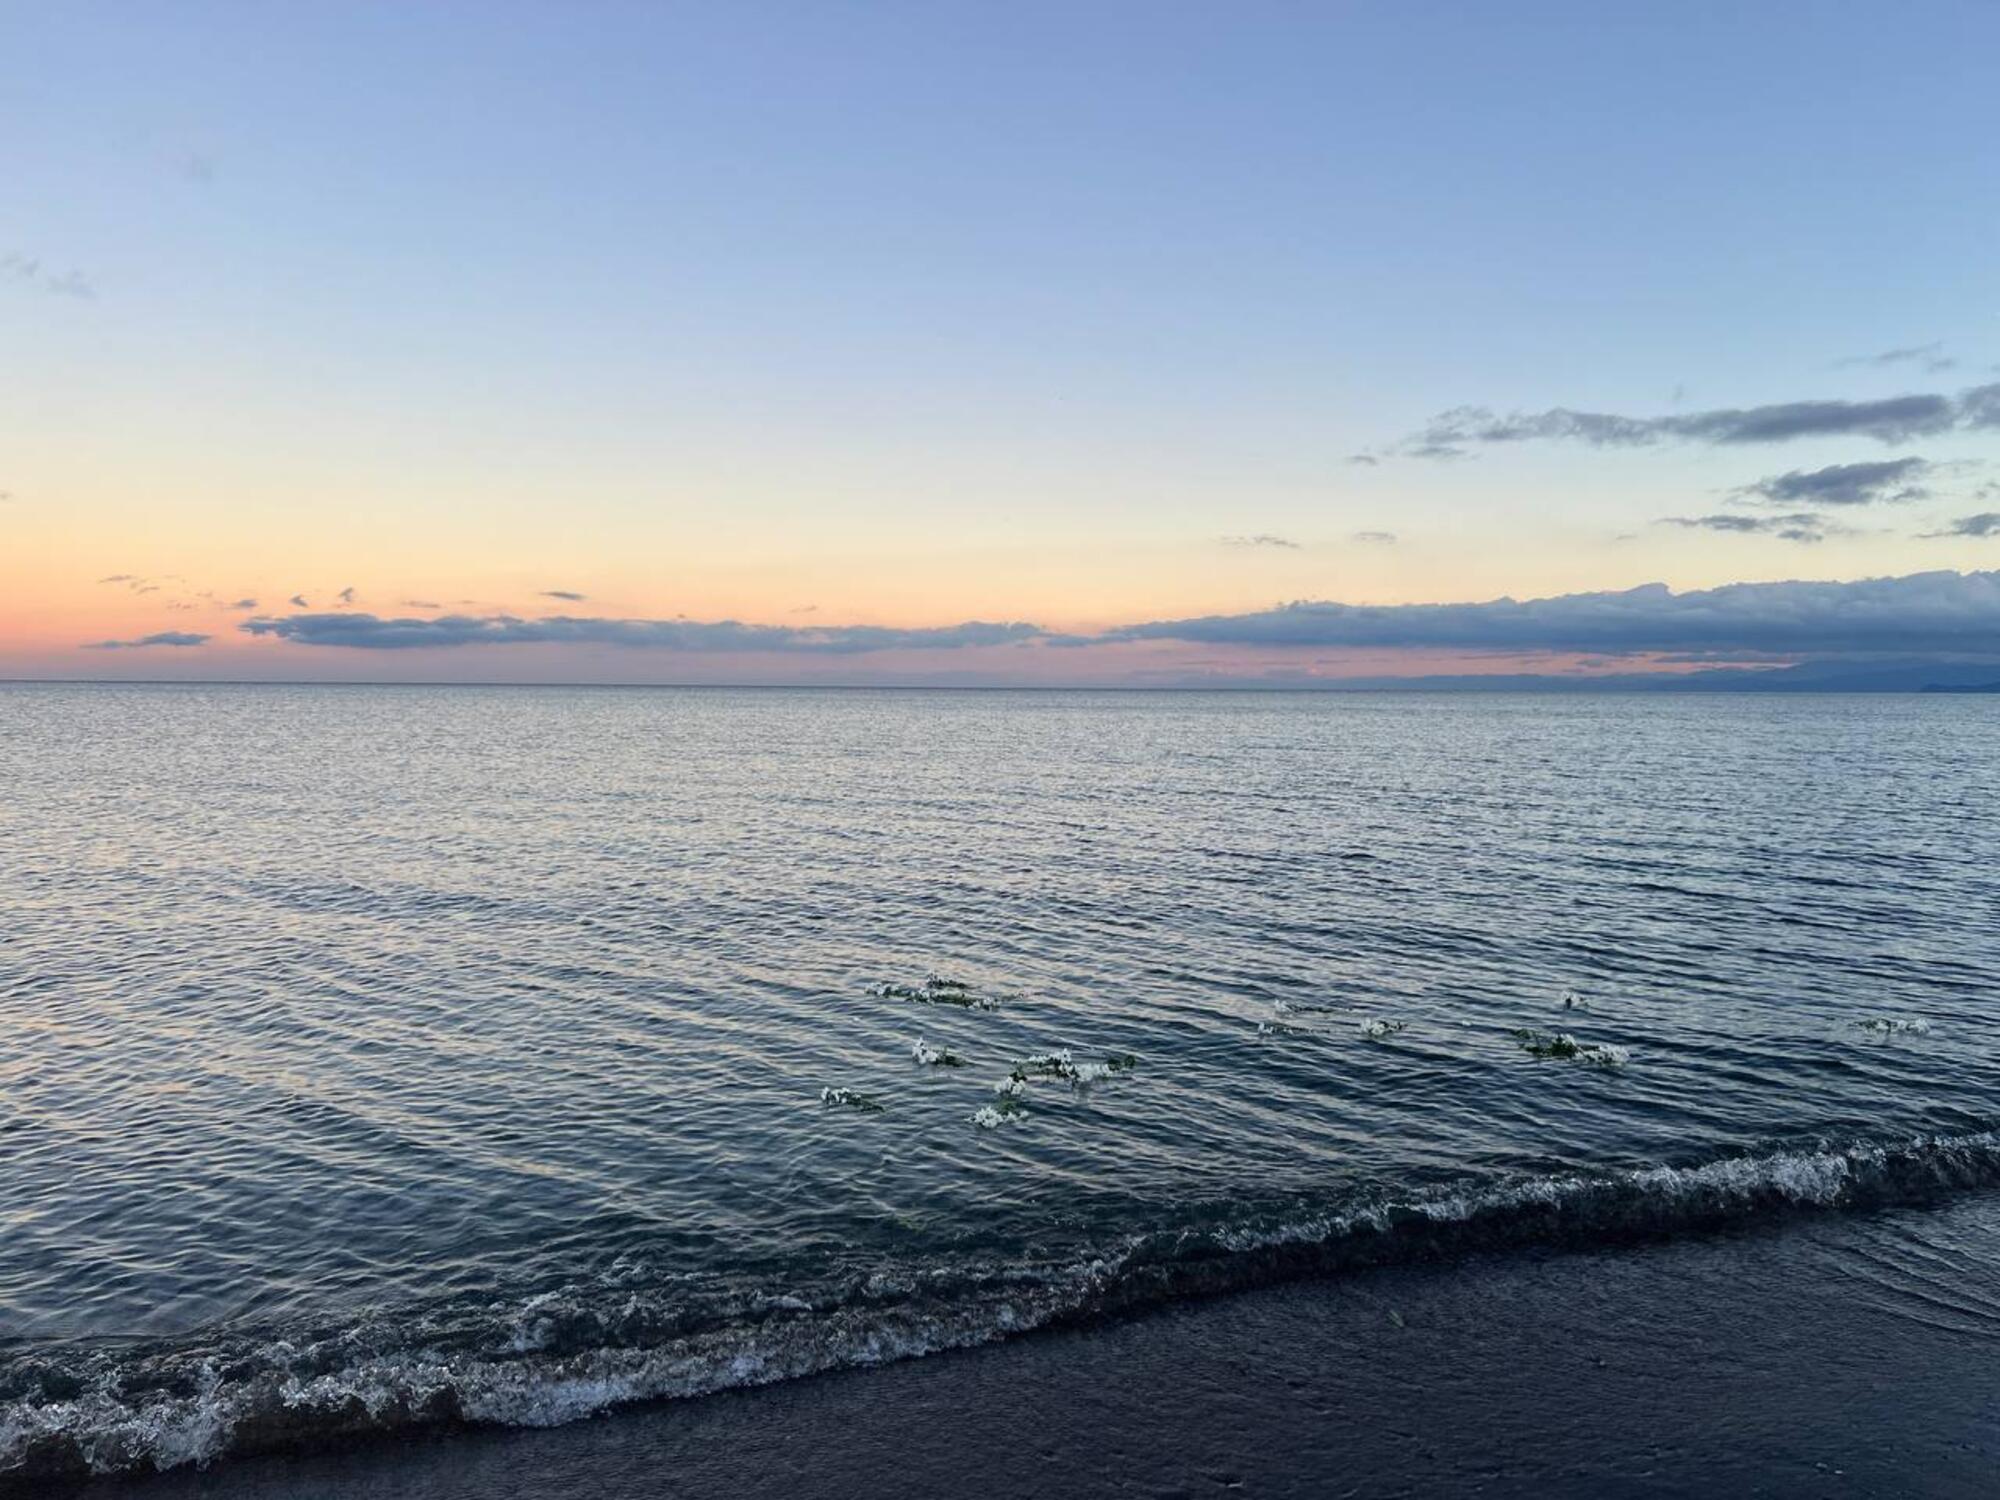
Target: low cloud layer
x,y
372,633
1894,419
161,638
1922,612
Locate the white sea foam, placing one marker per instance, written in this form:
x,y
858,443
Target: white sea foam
x,y
1063,1065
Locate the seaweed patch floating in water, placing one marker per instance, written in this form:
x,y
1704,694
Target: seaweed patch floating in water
x,y
1376,1029
1064,1065
938,990
849,1099
1562,1044
1896,1025
935,1057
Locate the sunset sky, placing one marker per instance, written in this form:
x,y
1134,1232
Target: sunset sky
x,y
1004,343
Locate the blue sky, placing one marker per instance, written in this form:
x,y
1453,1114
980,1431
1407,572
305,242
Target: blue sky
x,y
901,316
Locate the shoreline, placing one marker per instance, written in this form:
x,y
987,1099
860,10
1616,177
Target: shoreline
x,y
1758,1361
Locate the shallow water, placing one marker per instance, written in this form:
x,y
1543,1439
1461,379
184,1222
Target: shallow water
x,y
387,1055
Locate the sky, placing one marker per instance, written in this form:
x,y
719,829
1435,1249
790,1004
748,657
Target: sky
x,y
1107,343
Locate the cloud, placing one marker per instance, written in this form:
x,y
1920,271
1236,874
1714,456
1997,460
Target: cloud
x,y
573,598
1893,419
241,604
345,596
71,284
298,601
370,633
1843,484
1368,460
1931,356
1922,612
162,638
1986,523
1800,526
1261,539
1940,611
119,578
1374,538
407,603
29,271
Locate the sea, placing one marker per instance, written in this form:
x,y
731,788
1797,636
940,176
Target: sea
x,y
396,1060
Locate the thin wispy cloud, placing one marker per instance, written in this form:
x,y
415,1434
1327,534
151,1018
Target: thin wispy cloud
x,y
1930,357
27,270
1891,479
345,596
1261,539
1986,523
565,594
1374,538
159,638
1800,526
298,601
71,284
1893,419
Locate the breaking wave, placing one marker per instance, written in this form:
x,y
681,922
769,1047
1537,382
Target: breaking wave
x,y
81,1408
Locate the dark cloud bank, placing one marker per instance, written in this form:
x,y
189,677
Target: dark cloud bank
x,y
1942,611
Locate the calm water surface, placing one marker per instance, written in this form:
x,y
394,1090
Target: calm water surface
x,y
385,1055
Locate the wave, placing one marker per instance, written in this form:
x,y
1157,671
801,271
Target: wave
x,y
73,1410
